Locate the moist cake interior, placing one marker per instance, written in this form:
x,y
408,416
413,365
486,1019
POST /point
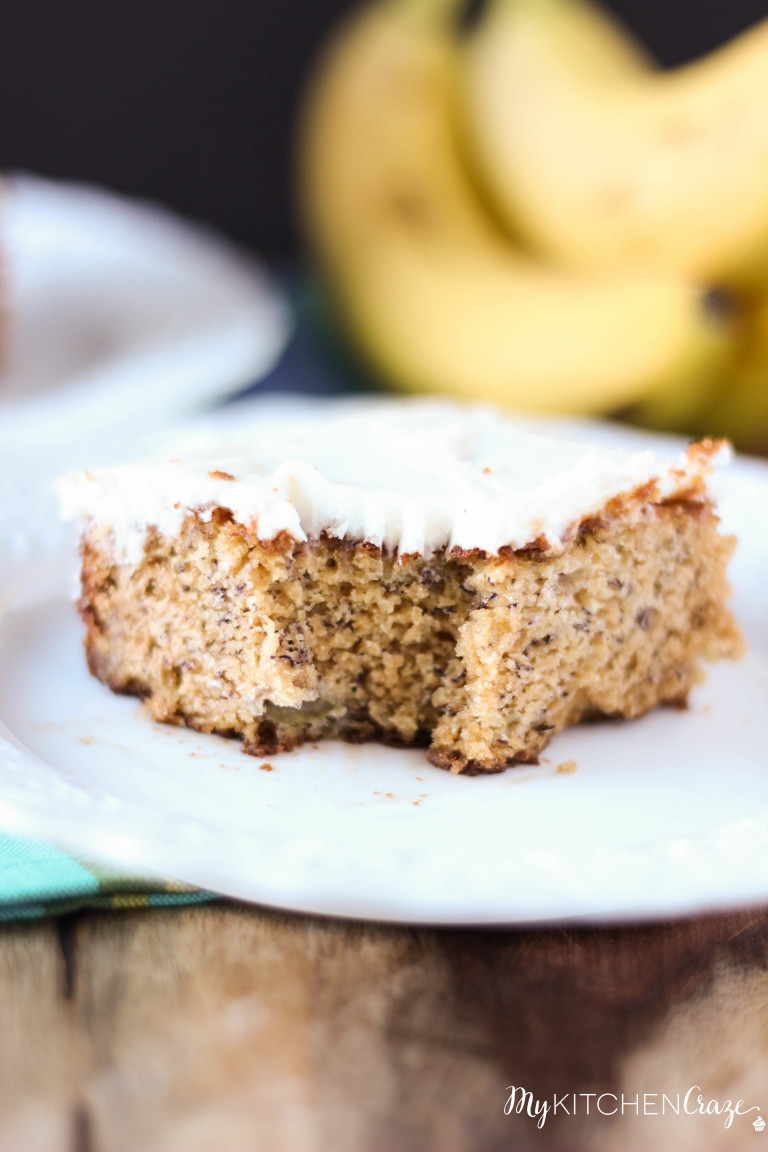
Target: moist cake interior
x,y
479,658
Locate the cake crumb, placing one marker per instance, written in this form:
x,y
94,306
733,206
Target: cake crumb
x,y
266,767
568,767
216,474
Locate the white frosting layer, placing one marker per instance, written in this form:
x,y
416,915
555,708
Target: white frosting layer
x,y
417,476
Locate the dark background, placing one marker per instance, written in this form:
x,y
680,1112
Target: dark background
x,y
192,102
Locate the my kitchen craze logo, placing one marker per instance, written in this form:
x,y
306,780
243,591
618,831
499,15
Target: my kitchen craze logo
x,y
692,1103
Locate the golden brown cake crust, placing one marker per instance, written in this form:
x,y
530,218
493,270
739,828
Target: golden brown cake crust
x,y
480,659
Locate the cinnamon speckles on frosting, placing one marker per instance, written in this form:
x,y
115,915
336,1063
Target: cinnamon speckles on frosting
x,y
412,476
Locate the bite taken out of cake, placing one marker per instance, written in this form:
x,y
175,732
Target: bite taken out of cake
x,y
412,572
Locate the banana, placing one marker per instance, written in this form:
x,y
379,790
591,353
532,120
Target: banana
x,y
602,45
430,290
740,409
604,168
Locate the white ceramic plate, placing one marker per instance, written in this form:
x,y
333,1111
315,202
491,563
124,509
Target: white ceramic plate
x,y
119,318
120,313
665,815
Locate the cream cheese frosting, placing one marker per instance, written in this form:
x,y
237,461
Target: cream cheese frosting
x,y
414,476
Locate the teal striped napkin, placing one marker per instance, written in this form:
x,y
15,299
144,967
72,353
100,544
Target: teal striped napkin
x,y
37,879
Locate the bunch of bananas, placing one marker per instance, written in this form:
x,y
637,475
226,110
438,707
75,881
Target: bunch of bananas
x,y
528,211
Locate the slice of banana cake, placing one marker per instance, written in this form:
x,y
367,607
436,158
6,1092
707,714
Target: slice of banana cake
x,y
413,572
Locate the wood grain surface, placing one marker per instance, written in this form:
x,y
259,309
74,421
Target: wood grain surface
x,y
224,1027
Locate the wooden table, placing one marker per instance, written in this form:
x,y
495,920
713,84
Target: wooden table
x,y
224,1027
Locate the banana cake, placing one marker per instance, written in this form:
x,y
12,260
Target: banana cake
x,y
412,572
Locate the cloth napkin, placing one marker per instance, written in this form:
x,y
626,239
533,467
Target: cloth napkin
x,y
37,880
